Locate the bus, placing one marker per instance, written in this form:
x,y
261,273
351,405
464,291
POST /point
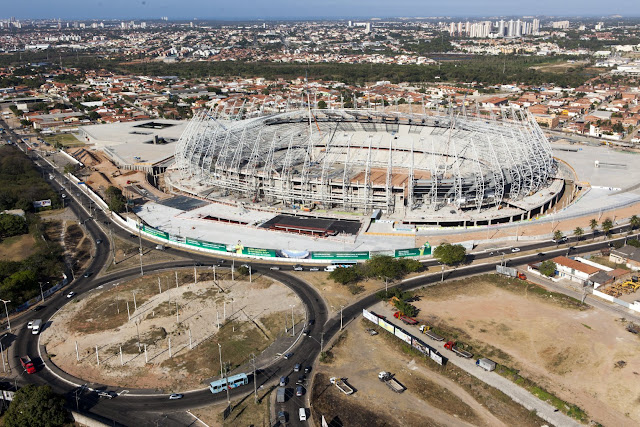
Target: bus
x,y
234,381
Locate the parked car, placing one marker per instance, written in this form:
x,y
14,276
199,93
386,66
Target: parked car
x,y
71,294
283,381
515,249
40,307
299,391
307,369
298,267
175,396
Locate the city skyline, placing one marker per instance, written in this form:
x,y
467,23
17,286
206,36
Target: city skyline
x,y
289,9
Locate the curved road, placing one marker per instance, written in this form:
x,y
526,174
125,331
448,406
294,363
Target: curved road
x,y
137,409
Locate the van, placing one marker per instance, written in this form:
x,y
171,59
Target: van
x,y
303,414
35,327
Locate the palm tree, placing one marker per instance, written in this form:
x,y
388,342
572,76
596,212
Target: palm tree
x,y
578,232
594,225
557,237
607,225
634,221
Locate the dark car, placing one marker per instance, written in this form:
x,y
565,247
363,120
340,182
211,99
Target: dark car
x,y
307,369
40,307
87,274
299,391
288,355
301,379
282,417
312,321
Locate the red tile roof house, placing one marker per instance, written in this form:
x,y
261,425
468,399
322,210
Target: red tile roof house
x,y
573,270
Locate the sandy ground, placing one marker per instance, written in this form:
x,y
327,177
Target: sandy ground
x,y
430,398
570,352
199,305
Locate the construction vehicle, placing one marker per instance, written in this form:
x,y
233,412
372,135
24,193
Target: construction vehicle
x,y
428,332
342,385
405,319
27,364
452,345
486,364
391,382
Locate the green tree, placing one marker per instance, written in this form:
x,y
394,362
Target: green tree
x,y
36,406
406,308
578,232
242,271
634,221
383,267
634,242
450,254
69,168
558,236
322,105
115,200
548,268
593,224
607,225
12,225
345,275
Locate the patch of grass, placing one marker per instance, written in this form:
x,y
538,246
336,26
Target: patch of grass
x,y
64,139
17,248
605,261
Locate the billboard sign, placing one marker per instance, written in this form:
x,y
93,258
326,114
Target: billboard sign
x,y
388,326
420,346
369,316
403,335
437,358
267,253
205,245
155,232
421,251
340,255
42,203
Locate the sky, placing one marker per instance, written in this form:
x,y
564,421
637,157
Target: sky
x,y
307,9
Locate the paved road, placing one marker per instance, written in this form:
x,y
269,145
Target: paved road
x,y
149,409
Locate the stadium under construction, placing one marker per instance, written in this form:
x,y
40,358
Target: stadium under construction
x,y
443,169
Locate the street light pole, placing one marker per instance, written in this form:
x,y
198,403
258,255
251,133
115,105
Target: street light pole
x,y
140,241
222,371
293,324
7,311
442,278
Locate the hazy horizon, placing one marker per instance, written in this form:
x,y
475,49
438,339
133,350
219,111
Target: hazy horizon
x,y
245,10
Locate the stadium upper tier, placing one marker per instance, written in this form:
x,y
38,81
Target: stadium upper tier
x,y
365,160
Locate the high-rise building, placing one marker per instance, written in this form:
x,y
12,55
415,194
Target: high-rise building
x,y
535,27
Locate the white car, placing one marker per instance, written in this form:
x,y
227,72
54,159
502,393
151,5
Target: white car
x,y
274,267
175,396
30,324
515,249
71,294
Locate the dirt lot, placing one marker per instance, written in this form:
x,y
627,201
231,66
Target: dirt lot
x,y
336,294
435,395
573,353
255,316
17,248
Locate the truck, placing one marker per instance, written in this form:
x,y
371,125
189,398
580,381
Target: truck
x,y
281,394
452,345
428,332
405,319
486,364
37,325
342,385
391,382
27,364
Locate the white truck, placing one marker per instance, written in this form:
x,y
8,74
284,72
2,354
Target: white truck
x,y
36,326
486,364
342,386
391,382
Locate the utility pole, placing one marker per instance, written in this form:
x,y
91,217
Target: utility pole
x,y
159,287
7,311
442,278
140,241
255,379
176,280
223,375
135,306
41,293
97,357
77,354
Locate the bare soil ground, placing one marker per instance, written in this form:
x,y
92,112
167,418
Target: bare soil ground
x,y
17,248
245,411
336,294
572,352
435,395
255,317
128,256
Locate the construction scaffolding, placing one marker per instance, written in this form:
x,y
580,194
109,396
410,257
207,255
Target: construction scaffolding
x,y
365,160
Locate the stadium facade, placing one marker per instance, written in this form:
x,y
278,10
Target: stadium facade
x,y
362,160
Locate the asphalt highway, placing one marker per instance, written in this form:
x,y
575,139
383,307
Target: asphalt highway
x,y
156,409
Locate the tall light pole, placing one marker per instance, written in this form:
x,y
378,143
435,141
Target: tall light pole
x,y
223,373
7,311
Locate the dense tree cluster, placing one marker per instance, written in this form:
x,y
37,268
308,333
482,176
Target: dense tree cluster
x,y
450,254
36,406
115,199
381,266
